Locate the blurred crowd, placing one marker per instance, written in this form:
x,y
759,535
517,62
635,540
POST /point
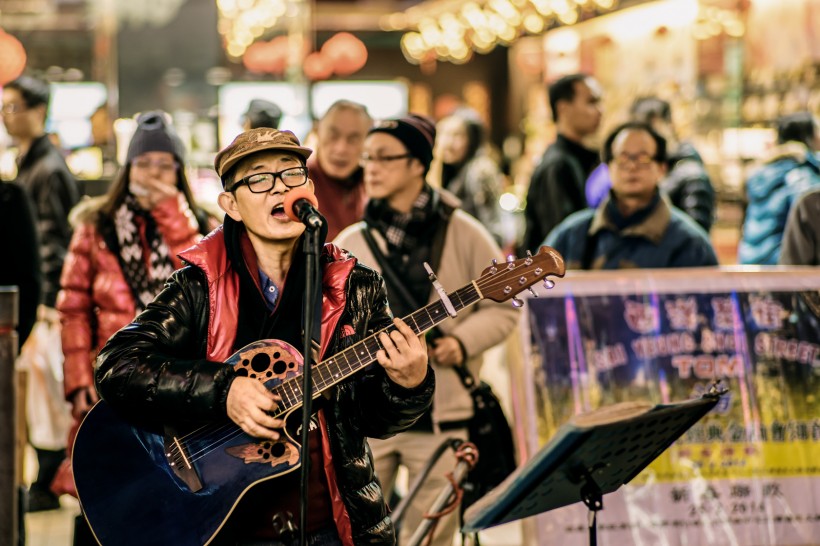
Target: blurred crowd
x,y
85,266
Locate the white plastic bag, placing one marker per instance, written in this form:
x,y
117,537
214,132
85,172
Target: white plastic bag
x,y
48,414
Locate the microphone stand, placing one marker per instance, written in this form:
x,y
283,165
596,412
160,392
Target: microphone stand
x,y
310,246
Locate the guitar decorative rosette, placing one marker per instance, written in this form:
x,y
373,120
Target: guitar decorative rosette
x,y
267,361
270,362
268,452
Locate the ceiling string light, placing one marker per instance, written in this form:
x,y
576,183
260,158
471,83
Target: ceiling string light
x,y
457,30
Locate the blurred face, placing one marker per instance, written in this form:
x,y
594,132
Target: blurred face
x,y
263,213
634,171
340,136
20,120
452,140
153,175
583,113
389,172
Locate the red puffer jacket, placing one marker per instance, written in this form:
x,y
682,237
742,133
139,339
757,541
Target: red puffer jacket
x,y
95,300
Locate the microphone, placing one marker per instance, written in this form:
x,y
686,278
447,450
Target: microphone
x,y
301,206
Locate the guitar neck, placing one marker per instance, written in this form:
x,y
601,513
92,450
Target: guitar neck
x,y
342,365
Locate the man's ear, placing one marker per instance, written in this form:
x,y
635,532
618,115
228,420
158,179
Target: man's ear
x,y
227,202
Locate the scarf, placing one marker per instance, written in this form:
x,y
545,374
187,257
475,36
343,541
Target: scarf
x,y
403,231
137,232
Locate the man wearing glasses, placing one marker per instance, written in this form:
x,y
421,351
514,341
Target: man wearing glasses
x,y
245,283
407,223
44,175
634,227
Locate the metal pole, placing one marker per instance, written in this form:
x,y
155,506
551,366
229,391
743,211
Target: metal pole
x,y
459,473
9,488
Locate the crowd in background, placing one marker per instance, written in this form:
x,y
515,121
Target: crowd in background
x,y
644,200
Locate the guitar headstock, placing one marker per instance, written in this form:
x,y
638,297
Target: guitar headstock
x,y
503,281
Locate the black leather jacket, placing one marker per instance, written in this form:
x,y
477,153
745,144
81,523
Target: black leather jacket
x,y
155,368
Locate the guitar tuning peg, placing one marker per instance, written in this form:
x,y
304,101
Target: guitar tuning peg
x,y
549,283
529,254
494,269
510,258
533,292
517,302
528,261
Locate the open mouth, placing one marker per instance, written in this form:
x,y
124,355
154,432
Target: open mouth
x,y
278,211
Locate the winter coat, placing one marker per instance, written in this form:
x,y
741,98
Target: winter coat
x,y
556,188
96,300
44,175
665,238
195,319
790,170
478,186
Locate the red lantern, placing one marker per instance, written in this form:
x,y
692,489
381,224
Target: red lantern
x,y
317,67
254,57
12,58
346,53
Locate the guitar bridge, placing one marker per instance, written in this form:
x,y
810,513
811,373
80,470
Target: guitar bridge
x,y
180,461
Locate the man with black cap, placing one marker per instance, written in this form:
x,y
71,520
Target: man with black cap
x,y
245,283
407,223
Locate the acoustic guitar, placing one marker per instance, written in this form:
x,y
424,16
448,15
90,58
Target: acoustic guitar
x,y
140,486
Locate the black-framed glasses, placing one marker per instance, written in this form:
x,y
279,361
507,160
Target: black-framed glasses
x,y
381,159
264,182
640,161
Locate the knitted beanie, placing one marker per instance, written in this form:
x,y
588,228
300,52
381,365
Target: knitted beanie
x,y
416,132
154,134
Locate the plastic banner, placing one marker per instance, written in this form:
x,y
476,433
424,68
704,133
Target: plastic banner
x,y
749,472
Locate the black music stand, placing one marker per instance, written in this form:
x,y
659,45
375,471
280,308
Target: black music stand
x,y
592,455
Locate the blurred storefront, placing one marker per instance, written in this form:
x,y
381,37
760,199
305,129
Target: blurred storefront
x,y
728,67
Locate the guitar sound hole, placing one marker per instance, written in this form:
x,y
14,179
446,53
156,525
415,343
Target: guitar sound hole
x,y
260,362
277,450
279,367
241,372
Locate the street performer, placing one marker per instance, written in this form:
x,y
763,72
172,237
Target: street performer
x,y
243,283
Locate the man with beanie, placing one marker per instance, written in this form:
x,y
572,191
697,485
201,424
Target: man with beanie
x,y
407,223
244,283
334,168
44,175
261,113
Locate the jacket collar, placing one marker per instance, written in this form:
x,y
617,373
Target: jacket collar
x,y
40,147
653,227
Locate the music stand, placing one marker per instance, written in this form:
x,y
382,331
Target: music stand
x,y
592,455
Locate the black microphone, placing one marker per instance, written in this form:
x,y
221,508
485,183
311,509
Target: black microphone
x,y
301,206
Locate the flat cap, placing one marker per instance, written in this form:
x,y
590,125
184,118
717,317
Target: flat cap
x,y
258,140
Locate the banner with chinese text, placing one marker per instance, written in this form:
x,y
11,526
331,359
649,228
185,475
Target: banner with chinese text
x,y
749,472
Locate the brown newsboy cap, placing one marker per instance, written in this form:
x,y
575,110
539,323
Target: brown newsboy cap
x,y
258,140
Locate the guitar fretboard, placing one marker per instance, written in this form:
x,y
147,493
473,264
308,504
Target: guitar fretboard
x,y
327,373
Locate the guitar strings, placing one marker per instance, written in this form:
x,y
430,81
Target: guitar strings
x,y
488,284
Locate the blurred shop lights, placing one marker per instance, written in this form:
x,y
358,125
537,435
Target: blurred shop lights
x,y
342,54
713,21
456,31
12,58
243,21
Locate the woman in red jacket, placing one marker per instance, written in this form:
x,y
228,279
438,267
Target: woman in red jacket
x,y
124,247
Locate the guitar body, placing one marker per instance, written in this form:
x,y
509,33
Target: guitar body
x,y
129,489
